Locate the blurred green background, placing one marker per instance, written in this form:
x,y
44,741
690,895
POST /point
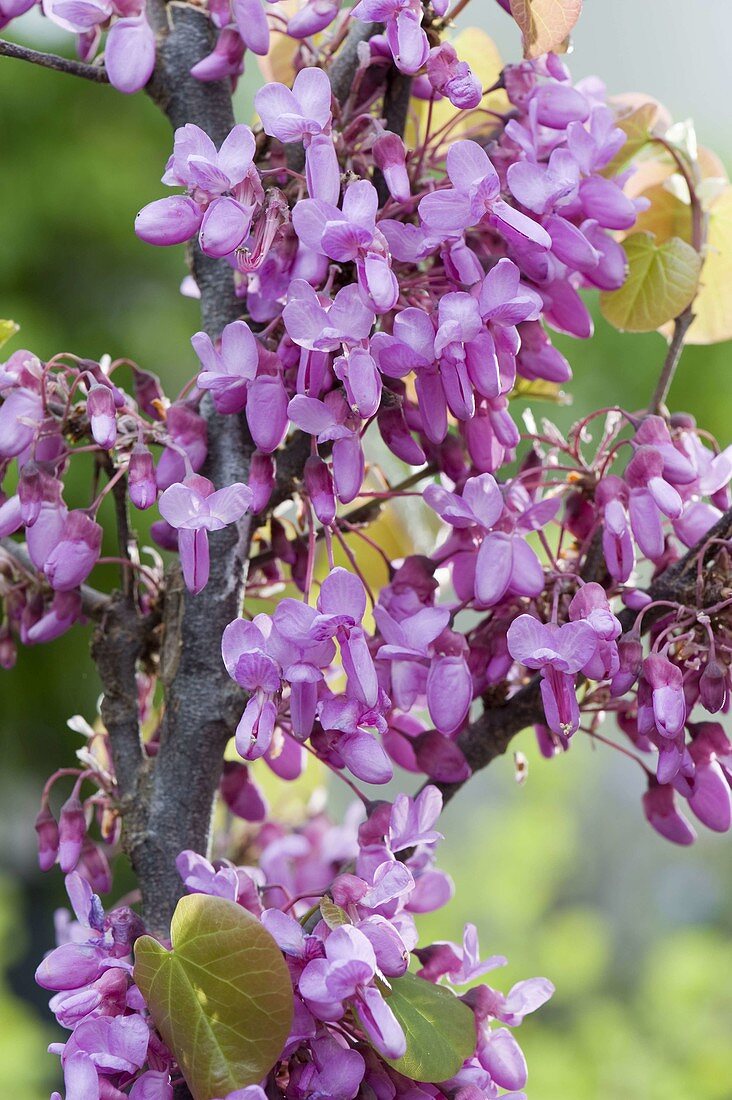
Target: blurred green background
x,y
560,874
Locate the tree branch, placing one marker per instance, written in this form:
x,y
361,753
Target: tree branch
x,y
172,794
93,603
52,61
491,734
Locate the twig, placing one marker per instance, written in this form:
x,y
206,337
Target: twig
x,y
97,73
690,172
490,735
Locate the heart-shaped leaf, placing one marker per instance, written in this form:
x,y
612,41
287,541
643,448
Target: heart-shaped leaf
x,y
221,998
662,281
439,1029
545,24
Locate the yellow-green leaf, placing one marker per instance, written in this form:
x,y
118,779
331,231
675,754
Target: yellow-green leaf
x,y
540,390
221,998
713,306
662,281
440,1029
332,914
667,216
545,24
637,125
8,329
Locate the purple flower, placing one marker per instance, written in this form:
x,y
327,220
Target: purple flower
x,y
590,605
360,752
505,562
412,819
404,35
475,195
342,606
332,419
223,192
651,497
559,652
617,544
667,694
345,975
312,18
453,78
244,651
227,370
187,433
141,482
351,235
74,553
102,415
129,53
194,508
316,323
662,813
304,115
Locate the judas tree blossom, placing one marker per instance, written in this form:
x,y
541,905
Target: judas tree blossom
x,y
504,562
193,507
223,193
558,652
344,975
304,115
389,307
404,34
351,234
475,195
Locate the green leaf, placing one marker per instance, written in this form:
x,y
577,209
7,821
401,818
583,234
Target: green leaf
x,y
440,1029
638,126
545,24
221,998
713,306
332,914
8,329
662,281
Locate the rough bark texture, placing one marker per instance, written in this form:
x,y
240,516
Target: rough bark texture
x,y
166,800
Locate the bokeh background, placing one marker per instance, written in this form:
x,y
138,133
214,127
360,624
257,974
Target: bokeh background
x,y
561,874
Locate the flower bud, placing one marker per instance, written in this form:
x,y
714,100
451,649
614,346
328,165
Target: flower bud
x,y
390,156
630,654
141,477
669,704
125,925
31,491
93,866
659,807
47,833
240,792
75,554
319,486
101,411
714,686
451,77
261,480
71,833
8,651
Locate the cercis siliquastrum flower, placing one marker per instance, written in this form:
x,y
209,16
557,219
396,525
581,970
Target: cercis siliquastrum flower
x,y
396,293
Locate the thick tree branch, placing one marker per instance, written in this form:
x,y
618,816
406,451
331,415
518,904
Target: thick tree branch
x,y
491,734
170,796
52,61
346,63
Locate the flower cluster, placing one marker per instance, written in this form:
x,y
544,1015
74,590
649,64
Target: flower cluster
x,y
395,305
345,947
